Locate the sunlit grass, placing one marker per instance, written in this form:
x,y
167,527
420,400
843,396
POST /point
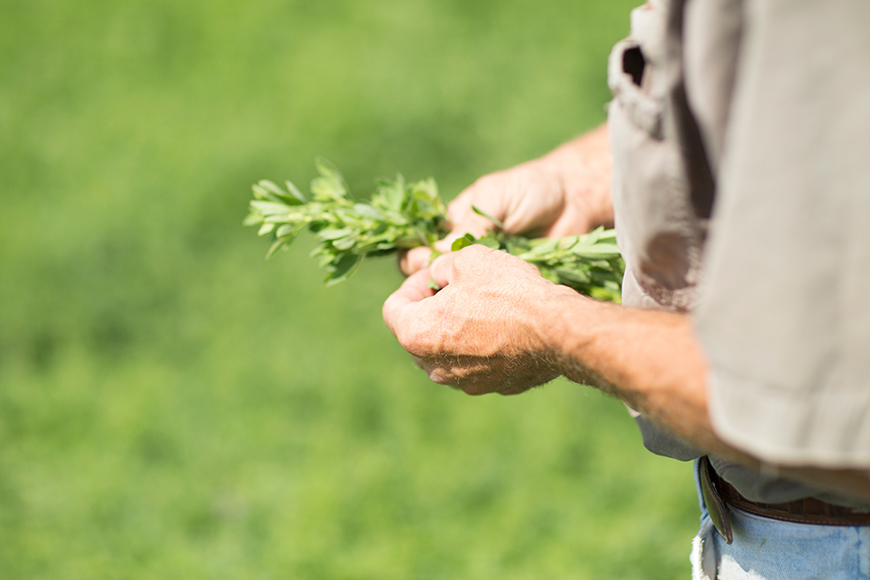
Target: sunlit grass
x,y
173,406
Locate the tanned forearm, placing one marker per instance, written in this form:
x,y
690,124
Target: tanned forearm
x,y
653,361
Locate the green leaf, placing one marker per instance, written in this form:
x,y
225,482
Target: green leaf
x,y
549,274
261,194
463,242
330,235
598,250
276,245
494,221
516,245
271,192
608,236
327,257
287,231
294,191
391,193
253,219
593,236
343,244
271,188
344,267
490,241
368,211
330,185
269,207
573,275
545,247
334,234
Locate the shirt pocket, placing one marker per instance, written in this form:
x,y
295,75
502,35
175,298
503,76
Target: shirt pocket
x,y
631,80
657,229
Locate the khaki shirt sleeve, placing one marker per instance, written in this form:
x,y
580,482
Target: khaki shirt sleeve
x,y
784,309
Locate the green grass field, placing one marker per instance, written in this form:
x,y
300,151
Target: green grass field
x,y
173,406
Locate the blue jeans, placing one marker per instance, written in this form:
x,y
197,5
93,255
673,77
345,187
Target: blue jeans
x,y
767,549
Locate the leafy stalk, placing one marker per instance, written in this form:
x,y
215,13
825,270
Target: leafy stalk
x,y
401,216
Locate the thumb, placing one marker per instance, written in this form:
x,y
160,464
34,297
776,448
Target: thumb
x,y
468,222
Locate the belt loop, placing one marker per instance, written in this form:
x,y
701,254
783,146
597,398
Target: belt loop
x,y
715,506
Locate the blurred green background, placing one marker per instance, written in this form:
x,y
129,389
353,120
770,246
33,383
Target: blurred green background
x,y
173,406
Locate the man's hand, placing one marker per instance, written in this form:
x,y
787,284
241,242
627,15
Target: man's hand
x,y
563,193
482,331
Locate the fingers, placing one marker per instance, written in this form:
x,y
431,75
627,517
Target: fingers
x,y
418,287
418,258
414,260
574,219
476,377
443,270
488,194
470,222
412,291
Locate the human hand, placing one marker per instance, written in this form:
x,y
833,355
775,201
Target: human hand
x,y
486,329
524,198
563,193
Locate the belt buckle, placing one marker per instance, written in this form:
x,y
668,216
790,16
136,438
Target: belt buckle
x,y
715,506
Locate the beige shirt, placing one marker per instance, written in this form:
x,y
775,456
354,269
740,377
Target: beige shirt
x,y
741,138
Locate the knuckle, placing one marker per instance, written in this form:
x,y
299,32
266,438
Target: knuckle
x,y
472,252
441,377
417,343
460,206
474,389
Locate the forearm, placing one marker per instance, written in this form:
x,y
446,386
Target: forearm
x,y
649,359
653,362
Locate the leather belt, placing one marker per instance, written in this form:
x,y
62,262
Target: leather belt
x,y
717,493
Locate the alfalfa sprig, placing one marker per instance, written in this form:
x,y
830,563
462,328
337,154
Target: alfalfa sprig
x,y
400,216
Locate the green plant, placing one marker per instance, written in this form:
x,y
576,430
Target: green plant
x,y
401,216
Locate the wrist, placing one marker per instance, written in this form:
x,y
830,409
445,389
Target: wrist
x,y
571,327
558,320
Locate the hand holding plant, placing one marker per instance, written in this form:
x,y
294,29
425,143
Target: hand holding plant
x,y
401,216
